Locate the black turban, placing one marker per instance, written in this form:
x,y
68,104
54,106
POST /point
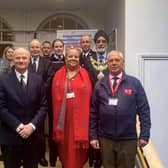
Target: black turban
x,y
100,33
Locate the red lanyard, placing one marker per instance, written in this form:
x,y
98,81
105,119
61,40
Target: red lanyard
x,y
111,85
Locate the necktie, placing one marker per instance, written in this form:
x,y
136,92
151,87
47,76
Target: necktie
x,y
115,82
101,58
34,65
23,84
84,55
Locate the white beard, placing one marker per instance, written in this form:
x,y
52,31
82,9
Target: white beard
x,y
101,50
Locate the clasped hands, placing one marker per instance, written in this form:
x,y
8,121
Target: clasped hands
x,y
25,130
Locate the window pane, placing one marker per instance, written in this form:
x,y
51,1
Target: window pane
x,y
69,23
4,26
7,36
60,23
57,23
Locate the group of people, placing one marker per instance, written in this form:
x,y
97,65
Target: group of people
x,y
91,103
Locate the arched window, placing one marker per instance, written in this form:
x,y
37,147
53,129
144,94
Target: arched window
x,y
61,22
6,33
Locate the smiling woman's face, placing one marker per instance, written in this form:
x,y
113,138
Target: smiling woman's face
x,y
72,58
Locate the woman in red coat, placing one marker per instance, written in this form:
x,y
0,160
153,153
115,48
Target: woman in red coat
x,y
71,92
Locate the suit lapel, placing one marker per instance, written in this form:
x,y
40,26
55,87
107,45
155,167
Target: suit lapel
x,y
29,83
95,56
30,66
20,93
40,66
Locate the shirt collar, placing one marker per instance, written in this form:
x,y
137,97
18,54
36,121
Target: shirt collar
x,y
119,75
18,74
58,57
86,53
104,55
37,59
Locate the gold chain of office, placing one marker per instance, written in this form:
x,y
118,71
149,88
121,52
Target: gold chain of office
x,y
98,65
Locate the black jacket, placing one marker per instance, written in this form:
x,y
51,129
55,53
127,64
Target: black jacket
x,y
21,106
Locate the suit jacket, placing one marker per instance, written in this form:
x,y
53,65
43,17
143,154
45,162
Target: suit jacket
x,y
45,70
92,71
21,106
84,60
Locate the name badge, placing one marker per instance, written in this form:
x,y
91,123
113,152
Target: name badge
x,y
113,101
70,95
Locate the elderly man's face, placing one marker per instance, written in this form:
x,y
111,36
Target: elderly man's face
x,y
115,63
34,48
21,60
101,45
86,43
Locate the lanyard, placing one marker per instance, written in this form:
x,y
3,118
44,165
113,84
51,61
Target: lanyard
x,y
69,82
111,86
69,79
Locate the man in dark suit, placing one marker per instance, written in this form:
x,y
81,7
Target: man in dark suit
x,y
98,65
23,106
41,66
87,53
95,64
86,44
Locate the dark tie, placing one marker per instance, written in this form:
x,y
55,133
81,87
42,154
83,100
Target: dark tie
x,y
115,82
23,84
101,58
84,55
34,64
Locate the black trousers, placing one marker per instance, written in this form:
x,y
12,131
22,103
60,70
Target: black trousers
x,y
53,151
95,159
41,146
15,154
42,149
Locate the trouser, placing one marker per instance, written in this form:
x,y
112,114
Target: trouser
x,y
118,153
41,146
42,149
95,157
14,154
53,152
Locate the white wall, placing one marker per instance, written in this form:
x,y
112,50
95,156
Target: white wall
x,y
146,28
115,18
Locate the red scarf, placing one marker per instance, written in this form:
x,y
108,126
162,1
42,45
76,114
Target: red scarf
x,y
81,111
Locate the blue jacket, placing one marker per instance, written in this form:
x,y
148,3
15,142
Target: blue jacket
x,y
119,122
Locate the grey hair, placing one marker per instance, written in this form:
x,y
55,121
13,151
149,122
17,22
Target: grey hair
x,y
115,51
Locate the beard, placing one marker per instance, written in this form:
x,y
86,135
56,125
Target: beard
x,y
101,50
